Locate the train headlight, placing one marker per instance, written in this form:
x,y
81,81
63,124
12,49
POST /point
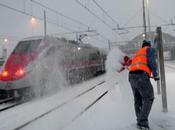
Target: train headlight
x,y
9,76
20,73
79,48
4,73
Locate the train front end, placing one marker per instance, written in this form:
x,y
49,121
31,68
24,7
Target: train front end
x,y
13,76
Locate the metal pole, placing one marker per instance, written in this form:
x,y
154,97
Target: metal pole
x,y
162,69
158,64
149,23
158,82
109,45
45,27
76,36
144,20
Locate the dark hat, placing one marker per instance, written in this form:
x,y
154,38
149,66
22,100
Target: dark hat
x,y
146,43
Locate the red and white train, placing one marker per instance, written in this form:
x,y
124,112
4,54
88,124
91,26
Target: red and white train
x,y
37,60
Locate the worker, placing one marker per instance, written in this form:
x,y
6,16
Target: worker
x,y
142,68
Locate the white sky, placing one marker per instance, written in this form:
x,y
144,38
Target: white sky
x,y
125,12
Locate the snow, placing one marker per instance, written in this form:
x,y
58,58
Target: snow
x,y
114,111
25,112
47,73
113,64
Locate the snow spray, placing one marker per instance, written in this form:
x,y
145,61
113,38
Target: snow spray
x,y
117,81
49,75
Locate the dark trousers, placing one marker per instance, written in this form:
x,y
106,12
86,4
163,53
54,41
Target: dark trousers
x,y
143,96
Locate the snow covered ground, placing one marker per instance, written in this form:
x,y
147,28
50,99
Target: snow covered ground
x,y
112,112
69,109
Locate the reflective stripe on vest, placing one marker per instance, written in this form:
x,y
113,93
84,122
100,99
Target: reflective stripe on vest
x,y
139,61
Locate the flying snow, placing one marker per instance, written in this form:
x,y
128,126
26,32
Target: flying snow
x,y
48,76
117,79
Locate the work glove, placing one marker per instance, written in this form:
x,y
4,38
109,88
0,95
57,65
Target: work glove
x,y
126,61
156,78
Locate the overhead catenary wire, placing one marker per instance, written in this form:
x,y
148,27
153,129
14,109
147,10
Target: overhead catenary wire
x,y
39,18
67,17
100,35
100,19
118,27
134,27
105,12
165,24
59,13
132,17
14,9
98,5
159,17
28,14
64,24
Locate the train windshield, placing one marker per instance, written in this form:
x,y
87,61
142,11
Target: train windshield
x,y
27,46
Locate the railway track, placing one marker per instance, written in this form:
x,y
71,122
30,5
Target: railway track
x,y
8,103
5,100
8,106
65,103
86,109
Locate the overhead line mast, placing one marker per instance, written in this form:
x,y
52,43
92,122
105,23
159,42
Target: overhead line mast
x,y
144,20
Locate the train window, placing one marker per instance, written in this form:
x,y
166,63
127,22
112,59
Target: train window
x,y
51,50
27,46
93,56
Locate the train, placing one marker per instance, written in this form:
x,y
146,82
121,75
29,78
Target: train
x,y
39,64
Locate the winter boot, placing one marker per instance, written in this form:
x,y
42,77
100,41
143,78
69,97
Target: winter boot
x,y
140,127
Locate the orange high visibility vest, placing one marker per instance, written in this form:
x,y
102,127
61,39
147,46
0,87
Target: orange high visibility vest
x,y
140,61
